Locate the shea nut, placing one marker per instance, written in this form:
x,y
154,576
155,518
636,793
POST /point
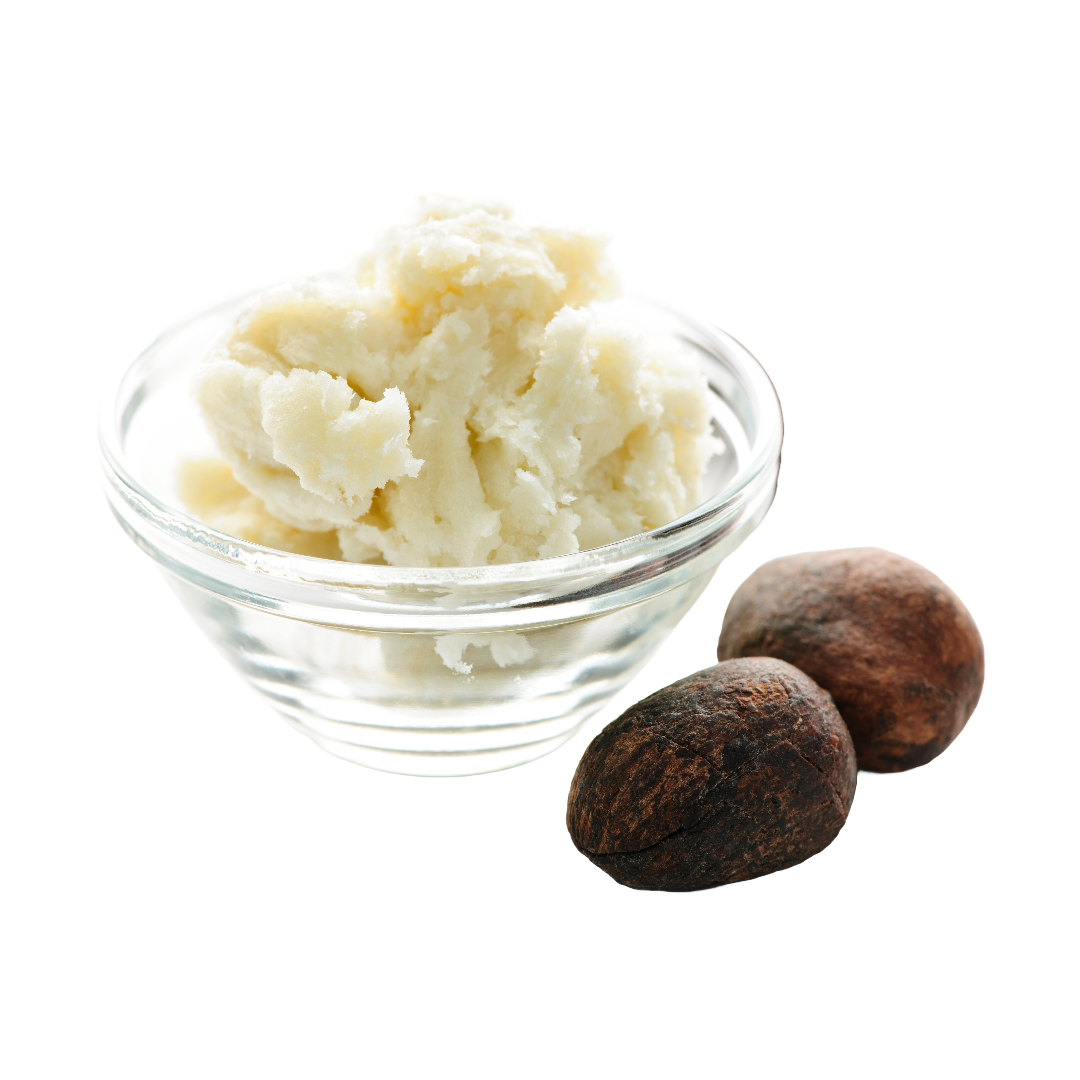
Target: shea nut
x,y
893,645
737,771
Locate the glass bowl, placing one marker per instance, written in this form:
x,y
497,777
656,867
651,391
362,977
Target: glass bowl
x,y
436,672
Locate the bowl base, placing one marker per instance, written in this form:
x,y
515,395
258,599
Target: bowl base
x,y
439,762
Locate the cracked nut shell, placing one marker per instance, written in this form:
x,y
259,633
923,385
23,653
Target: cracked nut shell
x,y
892,643
737,771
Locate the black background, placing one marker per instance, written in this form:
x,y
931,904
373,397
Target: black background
x,y
858,308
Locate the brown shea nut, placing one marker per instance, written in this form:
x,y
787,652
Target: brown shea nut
x,y
737,771
892,643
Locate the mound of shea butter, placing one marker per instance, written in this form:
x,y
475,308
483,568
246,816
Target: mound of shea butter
x,y
460,401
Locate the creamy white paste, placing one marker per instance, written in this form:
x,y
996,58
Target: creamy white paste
x,y
459,403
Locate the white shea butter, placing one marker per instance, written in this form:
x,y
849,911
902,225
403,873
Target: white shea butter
x,y
461,402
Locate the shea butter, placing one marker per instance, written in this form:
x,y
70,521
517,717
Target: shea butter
x,y
461,400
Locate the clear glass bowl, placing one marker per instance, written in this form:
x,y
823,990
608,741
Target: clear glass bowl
x,y
436,672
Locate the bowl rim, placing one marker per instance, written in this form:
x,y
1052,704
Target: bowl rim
x,y
655,544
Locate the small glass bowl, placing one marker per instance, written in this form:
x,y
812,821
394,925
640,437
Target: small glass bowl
x,y
436,672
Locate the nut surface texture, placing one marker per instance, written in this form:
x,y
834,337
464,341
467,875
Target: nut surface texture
x,y
895,647
737,771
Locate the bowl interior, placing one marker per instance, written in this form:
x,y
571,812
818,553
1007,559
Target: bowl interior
x,y
153,425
